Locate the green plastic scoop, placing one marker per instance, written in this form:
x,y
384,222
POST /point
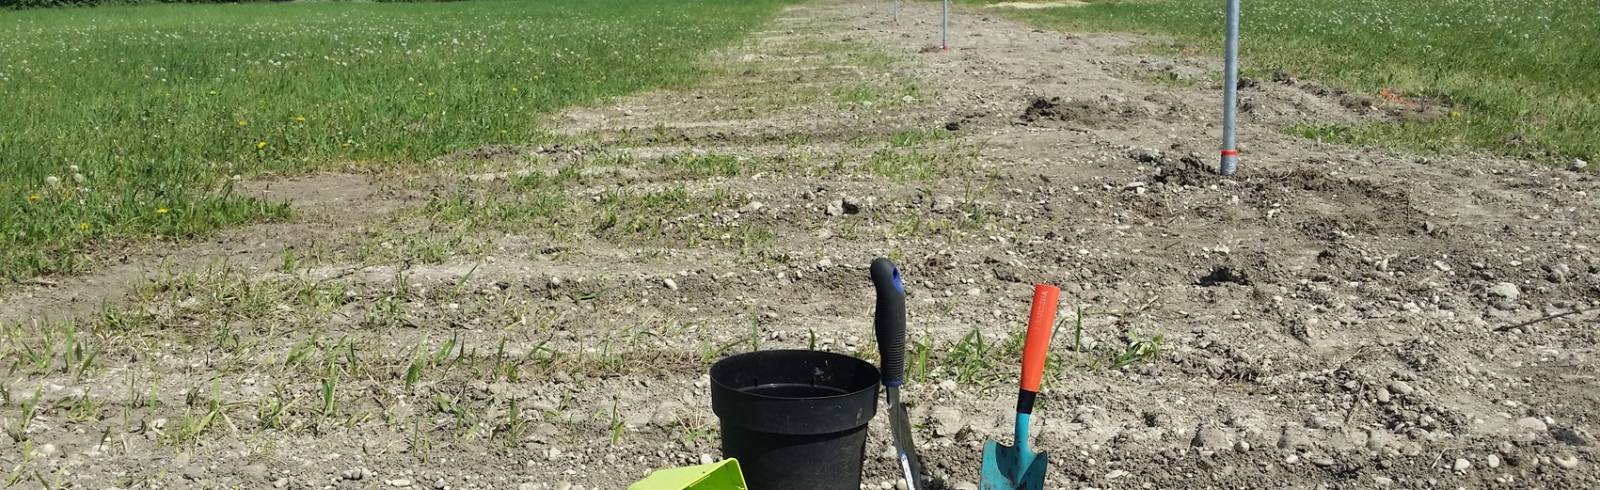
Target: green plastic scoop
x,y
721,475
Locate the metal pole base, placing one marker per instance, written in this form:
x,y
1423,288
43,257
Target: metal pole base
x,y
1230,162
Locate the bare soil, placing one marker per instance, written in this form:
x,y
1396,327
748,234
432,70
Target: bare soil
x,y
1332,317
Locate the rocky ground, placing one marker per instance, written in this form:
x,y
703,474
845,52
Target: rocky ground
x,y
542,317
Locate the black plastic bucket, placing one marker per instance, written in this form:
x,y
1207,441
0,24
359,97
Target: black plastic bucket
x,y
795,419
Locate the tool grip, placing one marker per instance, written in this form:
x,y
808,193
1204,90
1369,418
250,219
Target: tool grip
x,y
889,321
1041,321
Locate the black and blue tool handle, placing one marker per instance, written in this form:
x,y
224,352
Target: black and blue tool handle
x,y
889,321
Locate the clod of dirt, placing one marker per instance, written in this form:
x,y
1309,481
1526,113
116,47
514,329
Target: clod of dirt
x,y
952,126
1089,113
1189,173
1568,436
843,206
1224,275
1356,102
1283,77
1210,437
1396,105
1146,155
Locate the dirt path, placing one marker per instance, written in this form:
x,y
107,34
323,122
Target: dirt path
x,y
1326,319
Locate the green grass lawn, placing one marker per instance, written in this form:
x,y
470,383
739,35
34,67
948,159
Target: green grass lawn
x,y
1523,74
124,122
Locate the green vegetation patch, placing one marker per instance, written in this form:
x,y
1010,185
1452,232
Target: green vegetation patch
x,y
133,121
1519,75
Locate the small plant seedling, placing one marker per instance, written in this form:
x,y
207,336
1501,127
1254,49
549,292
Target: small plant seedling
x,y
516,425
289,261
1077,330
274,409
755,335
330,383
617,427
1137,350
421,444
971,357
17,429
414,372
190,428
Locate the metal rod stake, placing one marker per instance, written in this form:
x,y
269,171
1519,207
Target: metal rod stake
x,y
1230,94
945,34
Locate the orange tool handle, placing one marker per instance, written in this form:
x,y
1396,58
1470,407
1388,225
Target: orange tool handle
x,y
1041,321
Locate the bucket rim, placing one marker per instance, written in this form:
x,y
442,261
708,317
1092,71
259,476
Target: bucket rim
x,y
873,386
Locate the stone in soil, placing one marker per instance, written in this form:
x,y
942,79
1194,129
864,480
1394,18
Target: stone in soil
x,y
1506,291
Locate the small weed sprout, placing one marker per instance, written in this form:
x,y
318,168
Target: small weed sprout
x,y
1138,349
617,426
971,357
17,429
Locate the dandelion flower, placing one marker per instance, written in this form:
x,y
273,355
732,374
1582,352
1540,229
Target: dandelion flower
x,y
299,119
161,210
33,197
51,181
261,144
83,226
430,94
243,123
